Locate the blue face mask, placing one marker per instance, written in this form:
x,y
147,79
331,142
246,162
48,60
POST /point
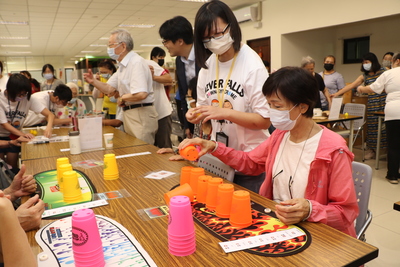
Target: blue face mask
x,y
113,99
18,98
106,75
111,53
48,76
73,100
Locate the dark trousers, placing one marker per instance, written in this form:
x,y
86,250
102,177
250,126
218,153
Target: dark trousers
x,y
252,183
163,135
393,151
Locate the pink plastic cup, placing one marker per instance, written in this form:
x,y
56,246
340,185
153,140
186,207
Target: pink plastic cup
x,y
86,242
180,244
182,253
180,216
183,238
182,248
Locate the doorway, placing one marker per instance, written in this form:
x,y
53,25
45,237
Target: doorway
x,y
262,46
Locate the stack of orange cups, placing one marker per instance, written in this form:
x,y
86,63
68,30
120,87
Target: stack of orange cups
x,y
110,167
63,168
224,200
202,185
212,191
194,177
185,175
241,209
72,189
183,190
60,161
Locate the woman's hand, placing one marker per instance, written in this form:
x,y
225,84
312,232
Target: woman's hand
x,y
205,145
334,95
28,136
293,210
48,132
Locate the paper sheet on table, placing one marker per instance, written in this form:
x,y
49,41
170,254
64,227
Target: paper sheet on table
x,y
335,108
91,132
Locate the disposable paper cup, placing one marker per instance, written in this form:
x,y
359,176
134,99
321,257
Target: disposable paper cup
x,y
109,140
194,176
72,190
86,239
61,161
110,167
180,216
183,190
202,185
224,200
185,175
241,209
212,192
189,153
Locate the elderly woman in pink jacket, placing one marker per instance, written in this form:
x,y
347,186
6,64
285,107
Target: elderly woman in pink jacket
x,y
308,167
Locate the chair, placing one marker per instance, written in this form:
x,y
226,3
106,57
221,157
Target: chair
x,y
362,176
93,103
358,125
217,167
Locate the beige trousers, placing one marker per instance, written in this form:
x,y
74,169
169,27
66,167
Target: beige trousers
x,y
141,123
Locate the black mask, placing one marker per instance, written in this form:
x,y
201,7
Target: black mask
x,y
161,62
328,67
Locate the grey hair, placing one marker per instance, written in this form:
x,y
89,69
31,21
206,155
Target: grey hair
x,y
71,84
123,36
307,60
396,56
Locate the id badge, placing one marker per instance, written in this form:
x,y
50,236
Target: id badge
x,y
222,137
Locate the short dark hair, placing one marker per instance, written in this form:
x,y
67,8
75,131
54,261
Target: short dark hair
x,y
177,28
374,60
296,85
17,84
26,73
108,64
1,66
157,52
63,92
51,68
193,86
388,53
205,20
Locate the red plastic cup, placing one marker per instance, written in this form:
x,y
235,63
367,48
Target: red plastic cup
x,y
185,175
212,192
180,216
194,177
224,200
183,190
202,185
86,242
241,209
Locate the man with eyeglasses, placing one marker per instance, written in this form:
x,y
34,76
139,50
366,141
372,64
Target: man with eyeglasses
x,y
177,34
52,100
134,83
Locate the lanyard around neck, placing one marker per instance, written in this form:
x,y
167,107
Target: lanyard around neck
x,y
16,111
221,97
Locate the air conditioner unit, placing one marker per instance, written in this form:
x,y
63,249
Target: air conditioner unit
x,y
248,13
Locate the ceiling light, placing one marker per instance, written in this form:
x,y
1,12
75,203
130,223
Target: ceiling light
x,y
13,38
21,52
15,45
150,45
98,45
196,1
104,38
3,22
90,51
137,25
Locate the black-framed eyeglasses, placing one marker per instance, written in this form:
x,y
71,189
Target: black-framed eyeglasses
x,y
216,36
164,42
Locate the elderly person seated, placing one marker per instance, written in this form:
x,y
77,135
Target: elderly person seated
x,y
75,107
308,167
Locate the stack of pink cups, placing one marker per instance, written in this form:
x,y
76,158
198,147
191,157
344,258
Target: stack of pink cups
x,y
181,234
86,242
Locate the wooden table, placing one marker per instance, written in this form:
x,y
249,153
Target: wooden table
x,y
396,205
381,118
329,246
342,118
37,151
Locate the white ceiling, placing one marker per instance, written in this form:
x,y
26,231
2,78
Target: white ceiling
x,y
67,27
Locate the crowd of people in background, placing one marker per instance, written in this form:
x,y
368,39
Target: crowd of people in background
x,y
226,99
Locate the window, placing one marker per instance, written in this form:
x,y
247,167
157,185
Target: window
x,y
354,49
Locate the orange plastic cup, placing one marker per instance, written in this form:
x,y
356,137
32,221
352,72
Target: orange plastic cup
x,y
194,177
189,153
212,191
241,209
183,190
224,200
185,174
202,185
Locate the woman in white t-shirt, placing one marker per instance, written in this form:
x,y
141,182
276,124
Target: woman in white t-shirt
x,y
14,107
229,84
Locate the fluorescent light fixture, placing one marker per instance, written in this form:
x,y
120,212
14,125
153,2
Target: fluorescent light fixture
x,y
150,45
104,38
98,45
15,45
4,22
13,38
137,25
79,56
195,1
21,52
90,51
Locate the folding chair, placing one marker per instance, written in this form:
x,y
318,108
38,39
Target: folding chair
x,y
362,176
217,167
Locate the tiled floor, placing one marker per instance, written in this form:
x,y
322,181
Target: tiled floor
x,y
384,230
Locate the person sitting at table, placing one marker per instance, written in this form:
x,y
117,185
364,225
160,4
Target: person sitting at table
x,y
75,107
308,167
14,246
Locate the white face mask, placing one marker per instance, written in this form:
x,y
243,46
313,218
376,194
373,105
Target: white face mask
x,y
111,53
113,99
220,46
280,119
367,66
106,75
48,76
386,63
